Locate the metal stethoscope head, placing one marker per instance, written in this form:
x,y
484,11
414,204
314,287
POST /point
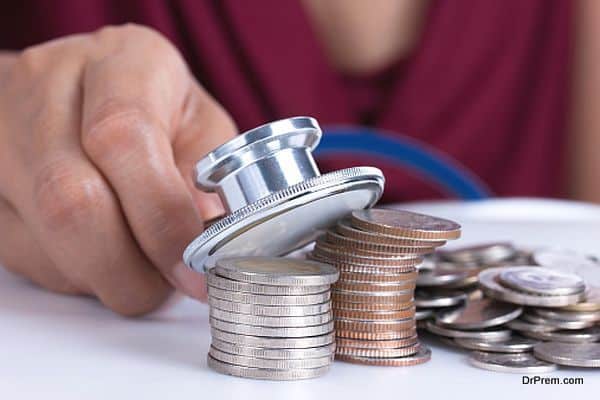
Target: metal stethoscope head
x,y
275,196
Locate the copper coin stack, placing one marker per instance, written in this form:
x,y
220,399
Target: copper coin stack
x,y
377,252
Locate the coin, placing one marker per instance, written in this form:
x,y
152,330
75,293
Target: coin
x,y
478,314
374,248
405,224
379,353
343,305
373,326
593,316
423,313
557,323
253,330
389,335
273,342
519,363
438,277
591,334
263,373
492,288
571,262
516,344
525,326
345,228
227,284
422,356
374,315
255,362
540,280
269,300
260,320
377,344
488,334
277,271
487,253
430,299
571,354
357,286
273,311
591,301
279,354
378,277
372,297
328,251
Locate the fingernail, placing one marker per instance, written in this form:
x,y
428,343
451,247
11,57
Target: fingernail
x,y
190,282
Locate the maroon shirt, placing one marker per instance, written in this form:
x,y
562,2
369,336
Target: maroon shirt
x,y
487,83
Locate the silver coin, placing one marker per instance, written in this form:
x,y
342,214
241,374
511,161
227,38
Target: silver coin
x,y
526,326
592,316
277,271
219,282
273,342
478,314
516,344
276,354
440,277
269,300
436,299
260,320
270,331
263,373
519,363
273,311
489,253
536,319
492,288
423,313
568,336
571,354
542,281
571,262
268,363
490,334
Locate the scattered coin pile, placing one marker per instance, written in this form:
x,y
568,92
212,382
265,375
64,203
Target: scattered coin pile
x,y
377,252
523,312
271,318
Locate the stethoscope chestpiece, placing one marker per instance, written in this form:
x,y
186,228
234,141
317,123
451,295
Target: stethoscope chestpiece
x,y
275,196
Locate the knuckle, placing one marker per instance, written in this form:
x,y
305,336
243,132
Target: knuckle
x,y
64,199
117,128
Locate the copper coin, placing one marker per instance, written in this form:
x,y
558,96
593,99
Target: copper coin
x,y
388,335
372,297
348,264
346,255
379,353
374,315
345,228
370,247
376,344
378,278
422,356
405,224
342,305
356,286
373,326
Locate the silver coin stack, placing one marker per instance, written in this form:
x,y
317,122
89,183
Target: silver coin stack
x,y
271,318
518,318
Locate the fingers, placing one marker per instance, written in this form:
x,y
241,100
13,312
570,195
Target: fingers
x,y
205,125
132,103
21,254
71,209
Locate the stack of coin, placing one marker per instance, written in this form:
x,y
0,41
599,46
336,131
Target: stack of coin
x,y
271,317
377,252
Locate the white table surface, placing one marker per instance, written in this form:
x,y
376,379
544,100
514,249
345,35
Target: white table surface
x,y
55,347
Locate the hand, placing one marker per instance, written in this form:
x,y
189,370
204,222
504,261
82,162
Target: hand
x,y
98,137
